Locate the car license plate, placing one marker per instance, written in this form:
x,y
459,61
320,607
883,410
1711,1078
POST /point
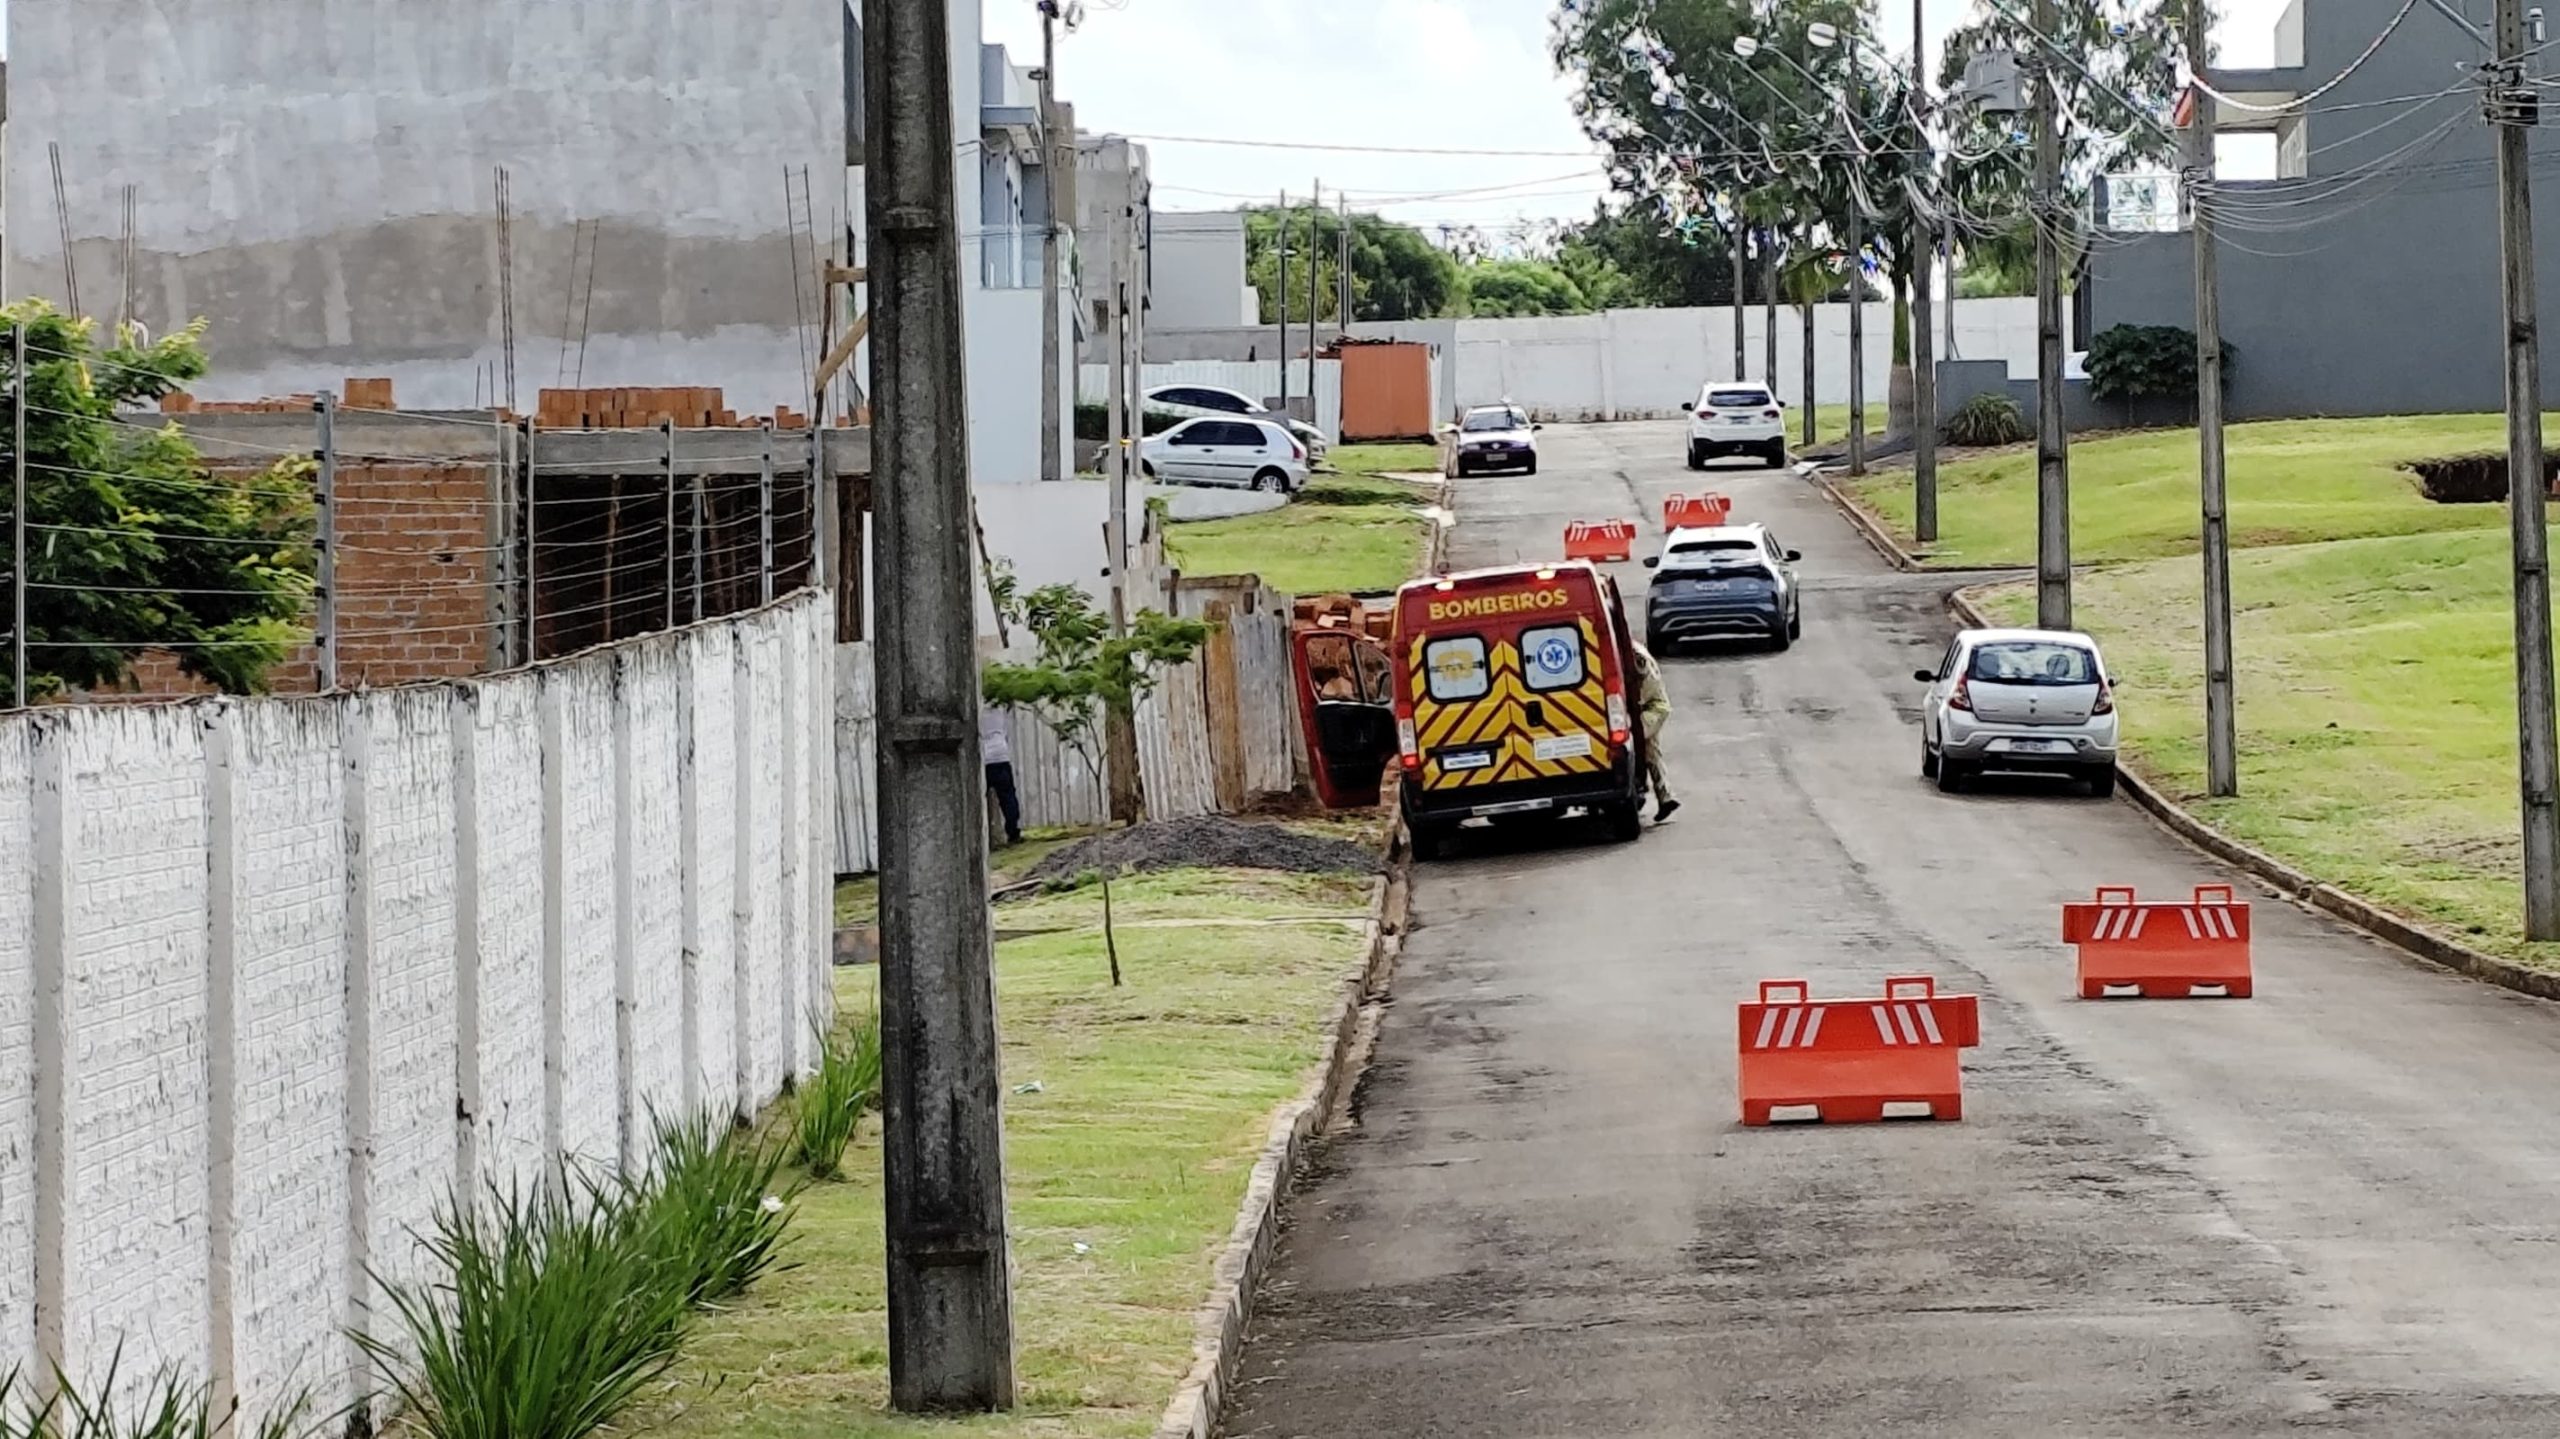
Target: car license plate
x,y
2038,746
1563,746
1713,586
1465,759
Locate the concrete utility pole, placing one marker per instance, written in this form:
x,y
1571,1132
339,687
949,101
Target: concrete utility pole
x,y
1315,212
2053,458
1857,335
2512,108
1052,445
1739,241
1769,312
1342,294
950,1291
18,516
1282,354
1924,360
2221,728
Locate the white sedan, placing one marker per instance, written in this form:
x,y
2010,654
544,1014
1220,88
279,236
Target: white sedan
x,y
1249,454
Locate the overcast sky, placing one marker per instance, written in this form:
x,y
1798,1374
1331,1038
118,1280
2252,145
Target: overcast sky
x,y
1441,74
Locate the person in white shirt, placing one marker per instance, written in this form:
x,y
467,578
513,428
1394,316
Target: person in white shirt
x,y
995,748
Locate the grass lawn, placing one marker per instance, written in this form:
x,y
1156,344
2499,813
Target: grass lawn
x,y
1344,533
2376,713
1385,459
1123,1171
2133,496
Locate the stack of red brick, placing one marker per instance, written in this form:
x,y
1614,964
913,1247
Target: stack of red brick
x,y
693,408
358,395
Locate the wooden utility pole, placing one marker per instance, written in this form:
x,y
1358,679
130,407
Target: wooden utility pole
x,y
1924,359
2513,108
2221,727
2053,457
950,1277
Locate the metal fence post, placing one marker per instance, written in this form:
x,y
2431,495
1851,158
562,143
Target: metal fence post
x,y
668,427
325,540
764,521
18,518
525,472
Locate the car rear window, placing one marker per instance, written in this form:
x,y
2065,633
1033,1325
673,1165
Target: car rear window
x,y
1738,399
2033,662
1704,553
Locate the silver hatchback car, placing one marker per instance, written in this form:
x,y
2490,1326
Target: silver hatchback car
x,y
2033,700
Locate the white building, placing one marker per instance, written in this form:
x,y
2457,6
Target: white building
x,y
1199,281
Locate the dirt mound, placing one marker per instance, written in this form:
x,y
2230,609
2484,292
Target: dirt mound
x,y
1211,841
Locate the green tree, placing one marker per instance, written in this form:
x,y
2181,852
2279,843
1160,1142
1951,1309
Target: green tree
x,y
1396,273
1083,677
133,542
1498,289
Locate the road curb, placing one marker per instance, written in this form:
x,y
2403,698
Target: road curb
x,y
1200,1402
2414,940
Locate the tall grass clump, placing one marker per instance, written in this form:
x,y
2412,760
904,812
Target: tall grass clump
x,y
713,1205
164,1407
832,1102
559,1303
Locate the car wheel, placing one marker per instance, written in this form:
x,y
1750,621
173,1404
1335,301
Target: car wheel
x,y
1795,625
1430,840
1952,776
1777,454
1146,470
1697,461
1653,643
1532,467
1781,638
1270,480
1625,819
1928,759
1463,471
2102,782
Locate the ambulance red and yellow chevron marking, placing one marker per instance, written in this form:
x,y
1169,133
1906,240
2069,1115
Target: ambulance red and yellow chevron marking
x,y
1500,718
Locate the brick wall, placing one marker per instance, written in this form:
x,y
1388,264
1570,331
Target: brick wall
x,y
253,937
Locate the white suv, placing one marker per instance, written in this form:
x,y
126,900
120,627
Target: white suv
x,y
1737,419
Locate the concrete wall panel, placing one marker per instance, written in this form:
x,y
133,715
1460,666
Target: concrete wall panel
x,y
17,1045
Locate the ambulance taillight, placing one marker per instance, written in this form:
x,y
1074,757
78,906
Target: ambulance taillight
x,y
1618,733
1406,749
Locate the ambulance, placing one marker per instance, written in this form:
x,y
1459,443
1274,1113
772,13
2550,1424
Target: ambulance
x,y
1514,698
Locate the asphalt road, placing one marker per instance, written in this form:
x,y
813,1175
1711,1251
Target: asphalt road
x,y
2334,1207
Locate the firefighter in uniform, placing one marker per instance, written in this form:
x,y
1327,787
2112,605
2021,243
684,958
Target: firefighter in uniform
x,y
1653,704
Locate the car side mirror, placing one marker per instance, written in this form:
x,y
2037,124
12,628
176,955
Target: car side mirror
x,y
1926,677
2113,683
1794,555
1686,407
1653,562
1537,427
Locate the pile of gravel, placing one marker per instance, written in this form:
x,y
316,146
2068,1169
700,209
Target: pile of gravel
x,y
1208,841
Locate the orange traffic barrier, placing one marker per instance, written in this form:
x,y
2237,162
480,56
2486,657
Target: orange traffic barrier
x,y
1695,511
1848,1060
1599,540
2158,949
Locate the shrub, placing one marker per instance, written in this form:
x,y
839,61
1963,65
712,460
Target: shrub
x,y
1987,419
832,1102
2141,362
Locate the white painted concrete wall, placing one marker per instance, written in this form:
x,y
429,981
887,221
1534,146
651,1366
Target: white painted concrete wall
x,y
279,976
1640,364
1199,274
